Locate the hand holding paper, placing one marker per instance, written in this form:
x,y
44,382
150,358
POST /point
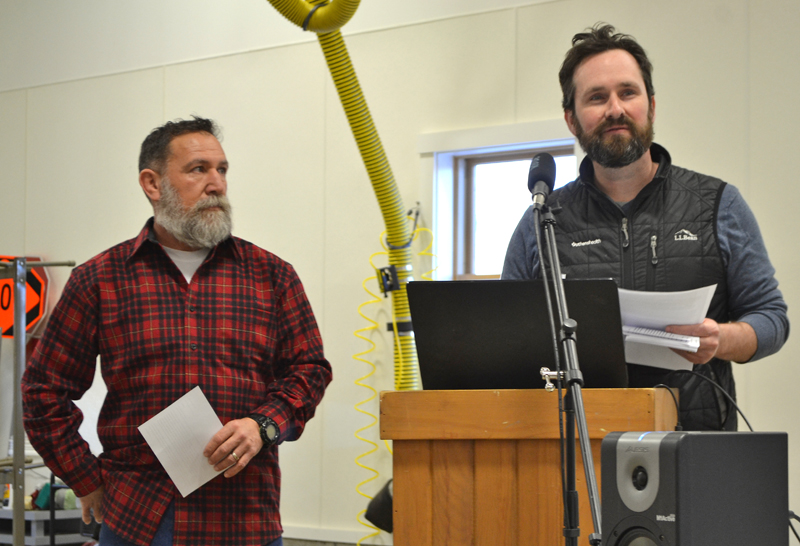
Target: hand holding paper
x,y
658,310
234,446
178,435
734,341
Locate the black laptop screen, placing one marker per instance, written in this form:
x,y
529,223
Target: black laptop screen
x,y
496,334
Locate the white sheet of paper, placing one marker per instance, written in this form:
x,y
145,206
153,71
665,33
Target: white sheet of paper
x,y
178,434
658,310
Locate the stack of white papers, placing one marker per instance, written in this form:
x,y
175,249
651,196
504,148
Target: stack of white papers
x,y
654,311
661,338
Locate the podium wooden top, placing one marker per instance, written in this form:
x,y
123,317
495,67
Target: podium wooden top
x,y
517,414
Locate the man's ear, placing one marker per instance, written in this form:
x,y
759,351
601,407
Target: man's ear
x,y
569,117
150,181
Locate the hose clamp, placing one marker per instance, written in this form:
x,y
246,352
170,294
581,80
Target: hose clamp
x,y
390,246
308,17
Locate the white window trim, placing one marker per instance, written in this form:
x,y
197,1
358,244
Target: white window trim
x,y
439,149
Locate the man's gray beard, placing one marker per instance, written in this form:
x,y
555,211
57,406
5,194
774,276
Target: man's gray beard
x,y
620,151
195,227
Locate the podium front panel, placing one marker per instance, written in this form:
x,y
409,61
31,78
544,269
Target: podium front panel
x,y
483,467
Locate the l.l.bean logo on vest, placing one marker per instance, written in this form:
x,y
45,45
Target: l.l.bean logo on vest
x,y
685,235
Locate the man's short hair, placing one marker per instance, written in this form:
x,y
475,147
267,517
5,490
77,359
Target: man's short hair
x,y
155,148
596,40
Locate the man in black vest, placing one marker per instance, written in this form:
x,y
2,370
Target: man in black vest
x,y
633,216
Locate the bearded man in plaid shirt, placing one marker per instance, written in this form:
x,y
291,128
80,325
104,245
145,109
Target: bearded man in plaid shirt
x,y
183,304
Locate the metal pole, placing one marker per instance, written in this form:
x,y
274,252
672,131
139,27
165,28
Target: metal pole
x,y
571,508
573,376
20,327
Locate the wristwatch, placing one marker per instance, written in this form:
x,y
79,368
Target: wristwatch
x,y
267,427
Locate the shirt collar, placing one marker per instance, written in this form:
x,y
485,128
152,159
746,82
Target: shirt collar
x,y
147,238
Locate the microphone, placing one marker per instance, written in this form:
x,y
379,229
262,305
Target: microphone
x,y
541,178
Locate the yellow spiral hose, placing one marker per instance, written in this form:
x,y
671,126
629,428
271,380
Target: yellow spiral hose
x,y
365,358
361,357
325,19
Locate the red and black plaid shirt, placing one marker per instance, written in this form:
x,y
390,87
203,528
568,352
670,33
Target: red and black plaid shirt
x,y
243,331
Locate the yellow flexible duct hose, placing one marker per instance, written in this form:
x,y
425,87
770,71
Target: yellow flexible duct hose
x,y
325,19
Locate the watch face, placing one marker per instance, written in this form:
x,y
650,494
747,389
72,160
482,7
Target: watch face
x,y
272,431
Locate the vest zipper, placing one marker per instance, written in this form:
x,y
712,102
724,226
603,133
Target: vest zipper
x,y
627,276
653,244
626,241
651,271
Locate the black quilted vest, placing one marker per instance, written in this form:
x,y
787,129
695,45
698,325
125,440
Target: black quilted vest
x,y
666,242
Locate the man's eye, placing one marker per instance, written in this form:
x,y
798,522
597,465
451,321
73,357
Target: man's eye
x,y
199,169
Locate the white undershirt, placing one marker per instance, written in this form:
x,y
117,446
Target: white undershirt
x,y
187,261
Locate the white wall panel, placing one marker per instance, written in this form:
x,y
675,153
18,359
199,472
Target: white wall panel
x,y
82,154
12,182
774,130
46,42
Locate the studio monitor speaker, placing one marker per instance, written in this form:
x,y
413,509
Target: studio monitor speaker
x,y
695,489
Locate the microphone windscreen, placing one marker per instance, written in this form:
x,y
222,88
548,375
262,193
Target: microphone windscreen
x,y
543,168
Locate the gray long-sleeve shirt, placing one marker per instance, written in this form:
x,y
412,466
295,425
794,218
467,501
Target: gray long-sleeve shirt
x,y
753,291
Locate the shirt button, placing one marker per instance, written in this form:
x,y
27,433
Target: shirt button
x,y
193,346
191,308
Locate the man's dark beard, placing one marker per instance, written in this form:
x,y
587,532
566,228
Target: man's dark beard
x,y
616,151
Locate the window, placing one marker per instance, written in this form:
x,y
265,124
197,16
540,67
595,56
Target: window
x,y
491,195
479,190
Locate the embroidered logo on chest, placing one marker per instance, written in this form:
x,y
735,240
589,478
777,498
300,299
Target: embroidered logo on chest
x,y
685,235
586,243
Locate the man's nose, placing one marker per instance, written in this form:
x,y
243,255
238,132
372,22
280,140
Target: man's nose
x,y
614,108
216,183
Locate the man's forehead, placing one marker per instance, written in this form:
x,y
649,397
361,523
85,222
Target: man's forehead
x,y
196,145
615,67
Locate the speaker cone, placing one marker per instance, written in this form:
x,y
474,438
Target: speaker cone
x,y
638,537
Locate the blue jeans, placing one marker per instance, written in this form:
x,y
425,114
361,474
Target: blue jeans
x,y
163,534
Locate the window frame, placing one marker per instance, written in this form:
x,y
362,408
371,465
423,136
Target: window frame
x,y
438,171
464,201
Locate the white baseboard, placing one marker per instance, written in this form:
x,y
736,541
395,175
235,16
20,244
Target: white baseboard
x,y
345,536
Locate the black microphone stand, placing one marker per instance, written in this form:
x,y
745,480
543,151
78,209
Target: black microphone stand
x,y
574,411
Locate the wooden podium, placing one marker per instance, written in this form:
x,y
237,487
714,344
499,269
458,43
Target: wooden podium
x,y
482,467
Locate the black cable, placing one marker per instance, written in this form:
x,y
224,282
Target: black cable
x,y
721,390
678,426
415,212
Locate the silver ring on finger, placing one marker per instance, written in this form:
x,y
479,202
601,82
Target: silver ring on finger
x,y
235,456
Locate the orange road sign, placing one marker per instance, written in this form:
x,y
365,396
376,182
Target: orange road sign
x,y
35,298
